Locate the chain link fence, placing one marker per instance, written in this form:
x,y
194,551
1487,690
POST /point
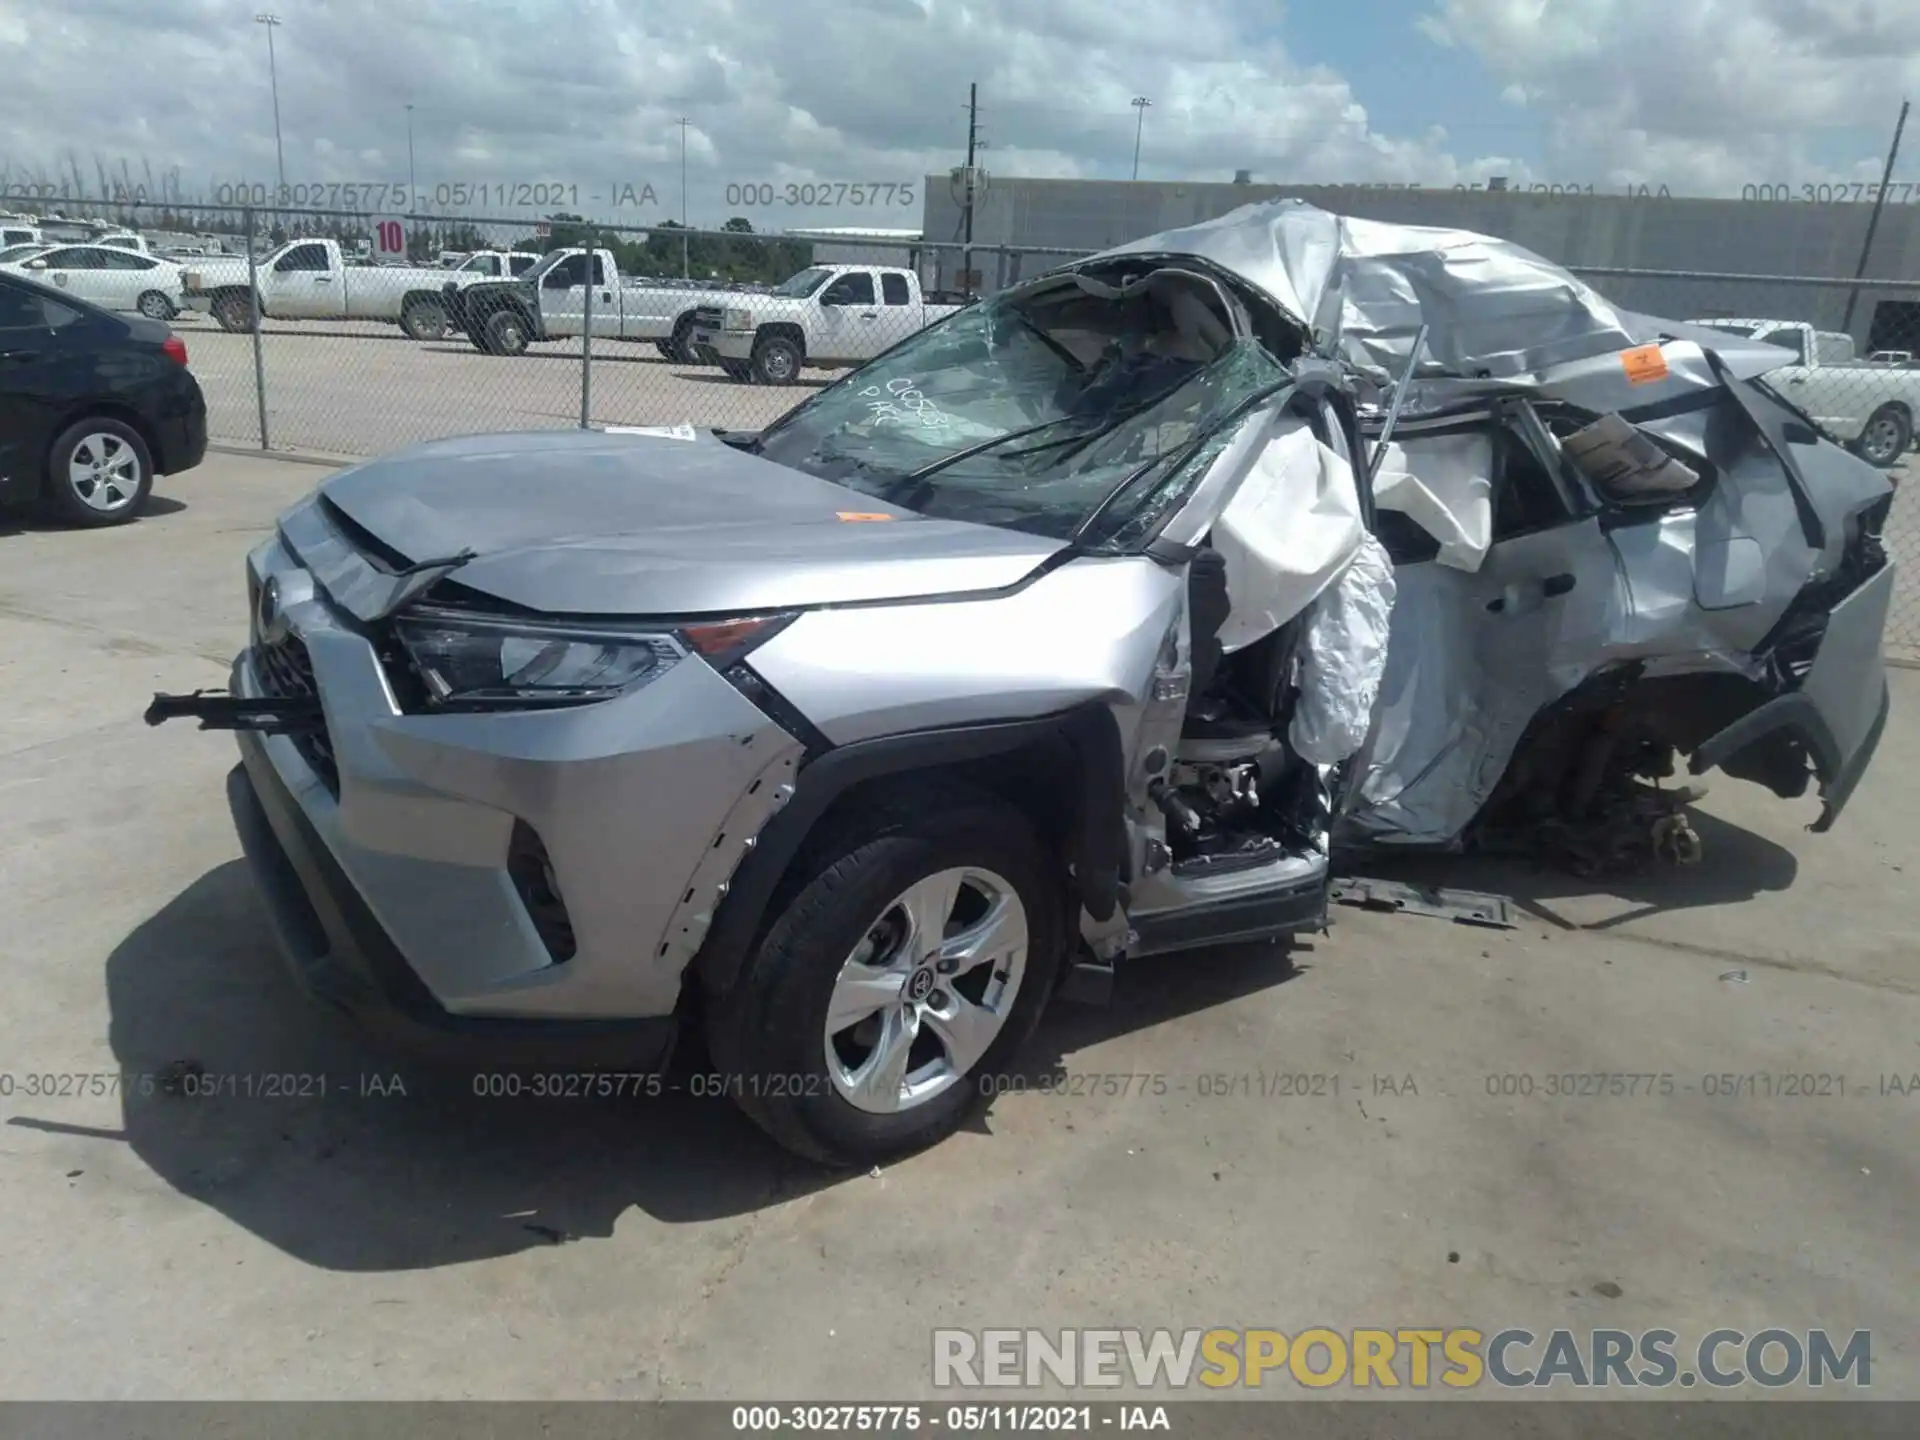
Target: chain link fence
x,y
347,334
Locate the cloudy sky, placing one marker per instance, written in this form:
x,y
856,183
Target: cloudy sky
x,y
1703,96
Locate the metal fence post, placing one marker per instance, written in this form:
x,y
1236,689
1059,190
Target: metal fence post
x,y
258,322
586,340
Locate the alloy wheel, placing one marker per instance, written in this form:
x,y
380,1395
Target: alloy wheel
x,y
104,472
1882,440
927,990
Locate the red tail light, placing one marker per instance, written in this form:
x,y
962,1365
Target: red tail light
x,y
175,349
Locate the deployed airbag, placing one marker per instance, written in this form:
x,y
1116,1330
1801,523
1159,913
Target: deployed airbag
x,y
1287,533
1344,658
1443,484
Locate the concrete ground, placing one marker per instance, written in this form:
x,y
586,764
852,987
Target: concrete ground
x,y
370,1245
363,389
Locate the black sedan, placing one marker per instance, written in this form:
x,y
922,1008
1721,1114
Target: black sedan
x,y
93,405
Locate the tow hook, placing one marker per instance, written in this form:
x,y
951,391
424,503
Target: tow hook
x,y
1676,841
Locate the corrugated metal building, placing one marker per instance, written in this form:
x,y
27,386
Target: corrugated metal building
x,y
1603,231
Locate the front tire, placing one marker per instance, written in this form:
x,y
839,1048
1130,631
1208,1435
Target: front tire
x,y
155,306
1886,436
676,348
425,319
234,313
897,982
99,472
506,334
776,361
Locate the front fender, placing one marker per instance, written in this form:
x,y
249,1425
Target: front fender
x,y
1096,830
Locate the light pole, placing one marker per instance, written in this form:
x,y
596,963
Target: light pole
x,y
273,71
413,187
1140,104
685,269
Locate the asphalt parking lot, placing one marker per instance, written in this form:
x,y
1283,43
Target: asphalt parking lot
x,y
368,1243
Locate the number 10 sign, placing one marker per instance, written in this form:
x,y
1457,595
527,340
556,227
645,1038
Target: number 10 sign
x,y
389,238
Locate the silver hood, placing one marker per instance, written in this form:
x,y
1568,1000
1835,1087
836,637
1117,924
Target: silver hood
x,y
1491,307
596,523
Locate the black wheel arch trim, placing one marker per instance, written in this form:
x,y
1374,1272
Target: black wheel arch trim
x,y
1797,715
1097,847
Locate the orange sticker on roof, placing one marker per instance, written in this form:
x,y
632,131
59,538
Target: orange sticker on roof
x,y
1644,365
862,515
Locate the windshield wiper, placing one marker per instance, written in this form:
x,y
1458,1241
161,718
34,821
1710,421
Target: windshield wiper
x,y
1112,423
1180,455
445,562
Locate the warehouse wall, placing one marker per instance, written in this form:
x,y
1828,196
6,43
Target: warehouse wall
x,y
1788,238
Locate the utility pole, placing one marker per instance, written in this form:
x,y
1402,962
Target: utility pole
x,y
685,269
273,72
973,145
1140,104
1873,222
413,187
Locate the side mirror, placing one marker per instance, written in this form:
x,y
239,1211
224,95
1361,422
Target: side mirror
x,y
36,264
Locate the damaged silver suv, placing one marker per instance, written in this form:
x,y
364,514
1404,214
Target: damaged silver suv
x,y
1088,623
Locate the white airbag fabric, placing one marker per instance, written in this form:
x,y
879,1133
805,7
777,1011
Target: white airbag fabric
x,y
1287,533
1344,658
1443,484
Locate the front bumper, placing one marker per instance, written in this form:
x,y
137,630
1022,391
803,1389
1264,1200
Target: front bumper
x,y
1838,713
399,833
725,344
340,955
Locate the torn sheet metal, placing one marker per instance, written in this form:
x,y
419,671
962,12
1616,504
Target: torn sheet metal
x,y
1443,484
1344,658
1463,907
1287,533
1494,308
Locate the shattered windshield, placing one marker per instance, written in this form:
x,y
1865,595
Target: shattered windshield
x,y
1029,411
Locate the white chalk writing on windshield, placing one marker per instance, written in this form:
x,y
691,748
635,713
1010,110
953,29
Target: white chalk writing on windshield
x,y
901,403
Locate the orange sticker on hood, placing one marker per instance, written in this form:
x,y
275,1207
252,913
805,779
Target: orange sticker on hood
x,y
1644,365
862,515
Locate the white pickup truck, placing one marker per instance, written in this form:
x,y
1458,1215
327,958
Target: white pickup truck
x,y
497,264
549,302
824,317
313,280
1872,407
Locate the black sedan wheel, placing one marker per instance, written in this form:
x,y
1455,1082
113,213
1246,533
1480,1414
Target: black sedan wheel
x,y
99,473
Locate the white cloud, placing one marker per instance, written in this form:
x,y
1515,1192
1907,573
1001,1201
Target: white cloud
x,y
1702,95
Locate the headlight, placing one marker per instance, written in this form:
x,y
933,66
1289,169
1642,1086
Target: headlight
x,y
481,663
737,320
477,662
